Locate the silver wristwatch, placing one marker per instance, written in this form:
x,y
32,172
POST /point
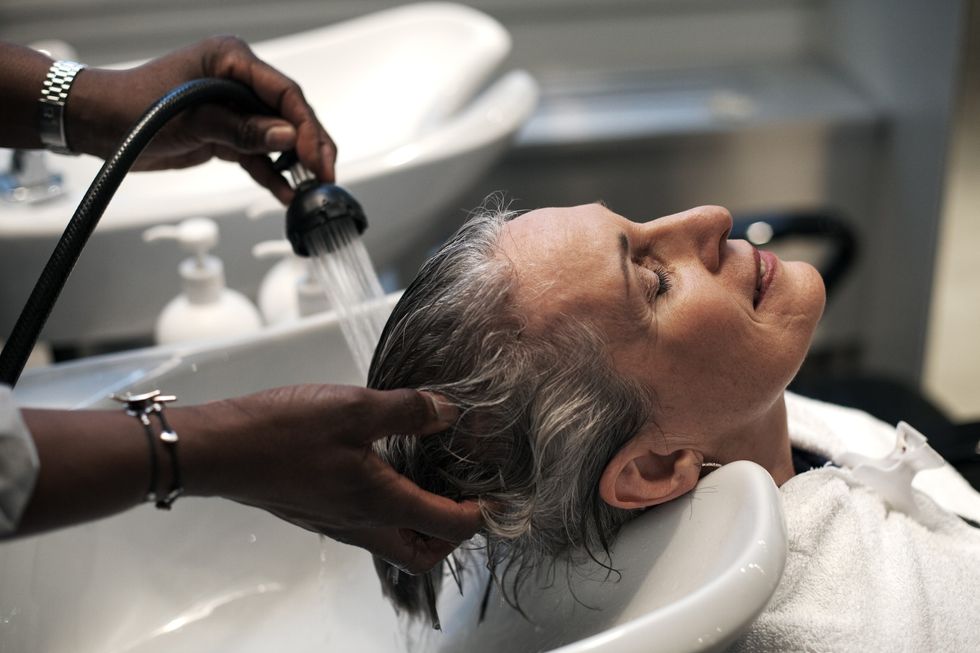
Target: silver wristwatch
x,y
54,95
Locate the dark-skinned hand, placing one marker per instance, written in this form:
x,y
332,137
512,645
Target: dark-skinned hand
x,y
104,104
304,454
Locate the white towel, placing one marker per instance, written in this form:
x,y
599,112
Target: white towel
x,y
830,430
862,577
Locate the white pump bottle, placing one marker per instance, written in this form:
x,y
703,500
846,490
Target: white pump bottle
x,y
290,290
205,308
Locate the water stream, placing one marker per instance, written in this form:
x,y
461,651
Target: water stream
x,y
347,276
345,273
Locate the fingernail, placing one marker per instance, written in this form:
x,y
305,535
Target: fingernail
x,y
327,156
279,138
445,411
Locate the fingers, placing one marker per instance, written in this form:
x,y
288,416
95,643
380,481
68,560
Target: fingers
x,y
407,411
189,159
418,413
315,148
406,550
438,516
260,168
246,133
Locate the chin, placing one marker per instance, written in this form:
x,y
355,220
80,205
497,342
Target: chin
x,y
809,294
817,292
809,297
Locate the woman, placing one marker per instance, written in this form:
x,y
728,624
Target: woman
x,y
599,365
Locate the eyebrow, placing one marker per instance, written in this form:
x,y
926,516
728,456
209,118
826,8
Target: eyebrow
x,y
624,251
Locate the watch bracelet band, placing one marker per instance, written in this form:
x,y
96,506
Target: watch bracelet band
x,y
54,96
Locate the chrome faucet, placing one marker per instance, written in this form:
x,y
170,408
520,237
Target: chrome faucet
x,y
29,180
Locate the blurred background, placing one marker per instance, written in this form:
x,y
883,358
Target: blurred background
x,y
866,111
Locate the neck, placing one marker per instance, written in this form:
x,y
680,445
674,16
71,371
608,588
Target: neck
x,y
764,441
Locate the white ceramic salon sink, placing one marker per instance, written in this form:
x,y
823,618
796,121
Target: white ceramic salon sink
x,y
414,99
215,576
689,576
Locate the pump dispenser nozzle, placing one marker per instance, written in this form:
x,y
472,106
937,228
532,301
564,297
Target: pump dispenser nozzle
x,y
195,235
315,205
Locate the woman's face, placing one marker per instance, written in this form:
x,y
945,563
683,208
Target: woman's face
x,y
679,303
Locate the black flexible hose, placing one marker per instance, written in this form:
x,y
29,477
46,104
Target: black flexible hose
x,y
93,205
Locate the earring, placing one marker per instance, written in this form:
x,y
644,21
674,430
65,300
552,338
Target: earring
x,y
706,468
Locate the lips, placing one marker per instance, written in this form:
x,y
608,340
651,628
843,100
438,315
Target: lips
x,y
765,265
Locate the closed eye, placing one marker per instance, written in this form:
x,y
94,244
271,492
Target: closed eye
x,y
656,279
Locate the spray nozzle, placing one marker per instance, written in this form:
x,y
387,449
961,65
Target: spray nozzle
x,y
196,236
315,205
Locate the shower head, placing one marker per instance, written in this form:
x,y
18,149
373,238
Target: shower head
x,y
317,207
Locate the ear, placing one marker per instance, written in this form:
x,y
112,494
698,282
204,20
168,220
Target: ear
x,y
640,475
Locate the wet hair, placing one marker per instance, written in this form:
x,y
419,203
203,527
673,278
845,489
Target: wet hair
x,y
542,413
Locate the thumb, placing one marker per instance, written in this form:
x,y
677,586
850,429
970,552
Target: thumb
x,y
409,411
246,133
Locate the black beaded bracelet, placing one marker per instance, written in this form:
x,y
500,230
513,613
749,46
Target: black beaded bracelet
x,y
142,407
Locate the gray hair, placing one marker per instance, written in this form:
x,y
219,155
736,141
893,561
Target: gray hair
x,y
541,413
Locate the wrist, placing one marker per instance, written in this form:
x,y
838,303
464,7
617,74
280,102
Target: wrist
x,y
92,124
54,94
212,443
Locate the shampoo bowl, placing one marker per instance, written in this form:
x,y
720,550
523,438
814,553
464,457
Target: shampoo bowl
x,y
214,575
410,95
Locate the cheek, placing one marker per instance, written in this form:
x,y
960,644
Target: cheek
x,y
720,365
715,348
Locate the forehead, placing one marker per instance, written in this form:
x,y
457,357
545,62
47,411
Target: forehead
x,y
566,260
536,237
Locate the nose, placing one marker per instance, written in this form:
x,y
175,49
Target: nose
x,y
701,231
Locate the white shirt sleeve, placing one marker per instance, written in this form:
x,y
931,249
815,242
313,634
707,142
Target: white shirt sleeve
x,y
18,463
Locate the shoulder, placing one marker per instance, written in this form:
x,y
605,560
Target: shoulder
x,y
860,576
830,429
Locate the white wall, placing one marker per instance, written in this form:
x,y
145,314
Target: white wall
x,y
906,56
952,368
